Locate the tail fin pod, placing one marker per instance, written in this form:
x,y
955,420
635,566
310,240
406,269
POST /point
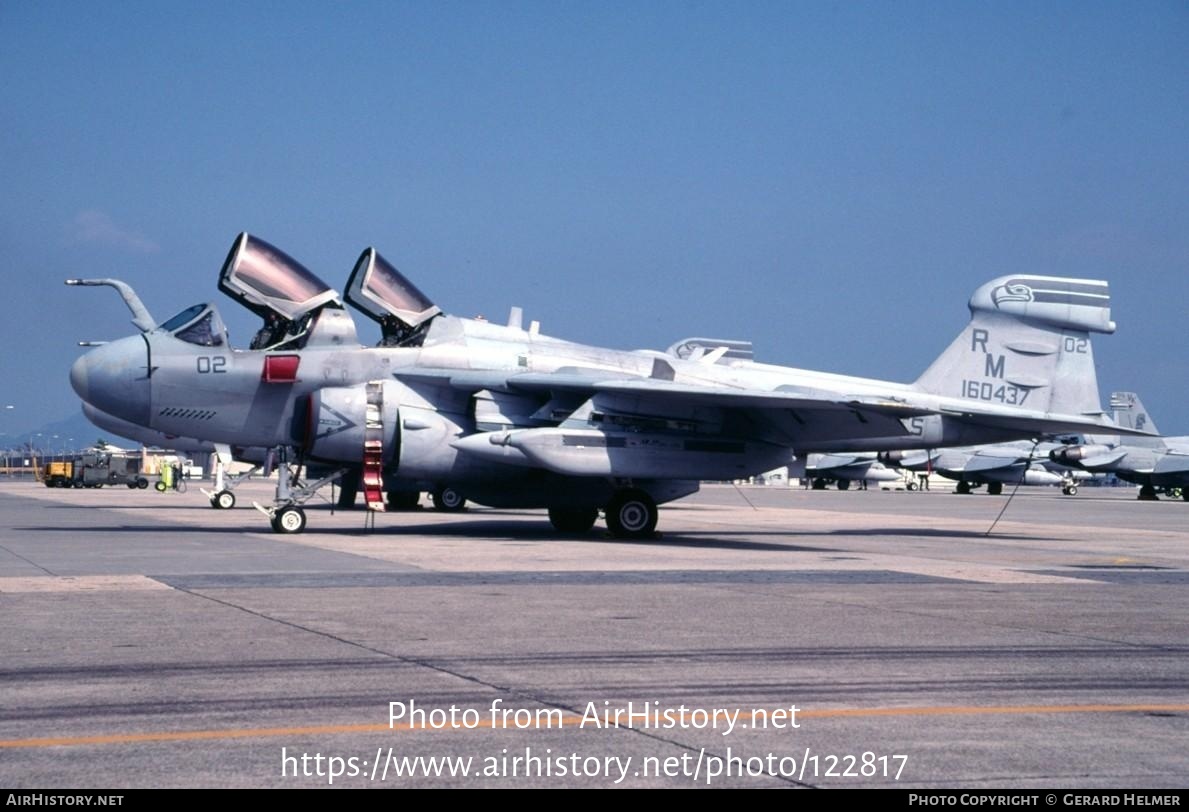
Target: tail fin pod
x,y
1028,345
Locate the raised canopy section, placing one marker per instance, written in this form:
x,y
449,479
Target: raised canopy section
x,y
381,292
265,279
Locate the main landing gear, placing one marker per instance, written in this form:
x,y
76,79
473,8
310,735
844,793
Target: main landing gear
x,y
285,515
449,500
631,514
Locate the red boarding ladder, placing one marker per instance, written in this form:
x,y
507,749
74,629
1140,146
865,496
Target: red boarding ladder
x,y
373,448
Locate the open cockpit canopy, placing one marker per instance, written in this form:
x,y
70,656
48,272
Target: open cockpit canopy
x,y
381,292
265,279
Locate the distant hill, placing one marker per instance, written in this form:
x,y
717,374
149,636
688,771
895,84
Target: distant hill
x,y
68,434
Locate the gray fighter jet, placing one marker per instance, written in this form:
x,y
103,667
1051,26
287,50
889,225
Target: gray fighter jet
x,y
1022,462
1150,462
843,469
509,417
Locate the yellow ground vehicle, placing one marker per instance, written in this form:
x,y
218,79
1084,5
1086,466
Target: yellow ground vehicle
x,y
58,474
94,469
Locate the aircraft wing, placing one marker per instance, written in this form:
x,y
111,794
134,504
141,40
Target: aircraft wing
x,y
977,463
917,458
692,394
1102,460
826,462
1173,462
1038,423
592,382
661,393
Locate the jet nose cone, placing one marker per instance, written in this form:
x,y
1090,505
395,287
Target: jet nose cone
x,y
115,379
78,378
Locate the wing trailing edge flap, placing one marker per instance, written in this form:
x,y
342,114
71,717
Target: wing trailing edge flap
x,y
1039,424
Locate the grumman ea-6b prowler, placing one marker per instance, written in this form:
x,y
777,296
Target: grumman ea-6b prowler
x,y
1151,462
508,417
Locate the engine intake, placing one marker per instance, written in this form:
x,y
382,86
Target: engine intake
x,y
338,420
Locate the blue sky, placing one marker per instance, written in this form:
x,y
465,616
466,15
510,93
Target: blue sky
x,y
829,180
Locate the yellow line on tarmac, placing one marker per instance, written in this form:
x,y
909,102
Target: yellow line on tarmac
x,y
573,720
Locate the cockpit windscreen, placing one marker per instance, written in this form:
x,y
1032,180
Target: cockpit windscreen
x,y
198,324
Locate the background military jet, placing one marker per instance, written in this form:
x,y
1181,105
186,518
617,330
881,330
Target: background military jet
x,y
843,469
1022,462
509,417
1150,462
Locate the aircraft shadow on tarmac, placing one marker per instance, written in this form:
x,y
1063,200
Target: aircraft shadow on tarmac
x,y
493,531
163,530
502,530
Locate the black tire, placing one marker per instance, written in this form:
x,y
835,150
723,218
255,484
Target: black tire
x,y
291,519
819,484
1185,493
160,486
631,514
404,500
131,486
1147,493
142,483
573,520
994,488
843,484
963,487
1071,490
223,500
449,500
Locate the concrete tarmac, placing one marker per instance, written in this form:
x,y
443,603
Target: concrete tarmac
x,y
769,637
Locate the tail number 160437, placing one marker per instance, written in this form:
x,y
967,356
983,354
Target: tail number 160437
x,y
994,391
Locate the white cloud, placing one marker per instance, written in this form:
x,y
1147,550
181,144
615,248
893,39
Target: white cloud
x,y
93,226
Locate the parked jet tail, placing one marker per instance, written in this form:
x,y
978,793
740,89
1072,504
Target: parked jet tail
x,y
1027,345
1130,414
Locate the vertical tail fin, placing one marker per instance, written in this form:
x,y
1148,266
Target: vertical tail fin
x,y
1131,414
1027,345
